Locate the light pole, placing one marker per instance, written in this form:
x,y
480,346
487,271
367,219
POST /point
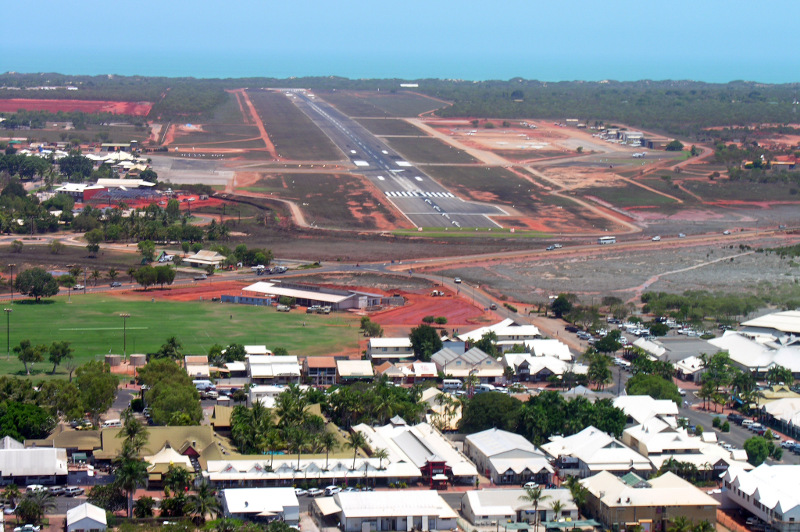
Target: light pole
x,y
11,266
8,312
124,317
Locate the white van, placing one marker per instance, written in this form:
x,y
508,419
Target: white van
x,y
111,423
451,385
203,384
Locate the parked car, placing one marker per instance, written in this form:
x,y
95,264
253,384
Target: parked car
x,y
787,444
315,492
735,418
73,491
34,488
332,490
531,485
56,490
201,277
299,492
78,287
116,284
27,528
550,248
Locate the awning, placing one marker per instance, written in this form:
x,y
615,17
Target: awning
x,y
327,506
79,457
572,524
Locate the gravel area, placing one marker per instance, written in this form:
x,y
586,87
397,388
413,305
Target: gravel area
x,y
626,273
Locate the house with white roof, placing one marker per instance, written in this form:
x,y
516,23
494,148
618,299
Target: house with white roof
x,y
640,408
33,465
261,504
381,349
529,368
197,366
591,451
460,365
425,448
487,506
652,504
204,258
85,518
775,324
652,348
407,372
508,332
690,368
757,354
507,458
387,510
541,347
271,369
443,409
770,492
350,370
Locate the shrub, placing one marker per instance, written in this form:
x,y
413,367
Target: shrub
x,y
726,427
716,423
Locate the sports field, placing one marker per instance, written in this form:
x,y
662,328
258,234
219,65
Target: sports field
x,y
93,325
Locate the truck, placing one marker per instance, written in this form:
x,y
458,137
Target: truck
x,y
283,308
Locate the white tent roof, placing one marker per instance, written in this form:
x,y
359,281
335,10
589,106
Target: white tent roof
x,y
86,511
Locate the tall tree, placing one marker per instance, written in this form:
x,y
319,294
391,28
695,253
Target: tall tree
x,y
355,440
534,496
29,354
59,351
36,283
203,503
98,388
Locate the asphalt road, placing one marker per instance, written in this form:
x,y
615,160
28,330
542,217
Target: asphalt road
x,y
425,202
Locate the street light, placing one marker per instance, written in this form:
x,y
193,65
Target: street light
x,y
124,317
8,312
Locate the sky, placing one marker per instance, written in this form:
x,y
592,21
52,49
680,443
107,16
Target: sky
x,y
706,40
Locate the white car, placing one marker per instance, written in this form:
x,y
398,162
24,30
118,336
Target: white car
x,y
531,485
457,280
332,490
299,492
787,443
78,287
656,238
315,492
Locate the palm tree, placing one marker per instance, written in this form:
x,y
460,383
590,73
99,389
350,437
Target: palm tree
x,y
556,506
355,440
113,274
271,442
296,439
203,502
131,272
328,442
703,526
12,494
534,496
34,505
680,524
133,431
95,275
381,455
130,473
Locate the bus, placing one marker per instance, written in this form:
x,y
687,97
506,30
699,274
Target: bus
x,y
607,240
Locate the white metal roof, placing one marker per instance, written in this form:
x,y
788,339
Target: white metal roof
x,y
354,368
33,461
259,500
508,501
549,346
402,341
394,503
495,441
274,290
597,450
86,511
666,490
787,321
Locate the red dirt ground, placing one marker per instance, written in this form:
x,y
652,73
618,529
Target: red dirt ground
x,y
459,312
201,289
86,106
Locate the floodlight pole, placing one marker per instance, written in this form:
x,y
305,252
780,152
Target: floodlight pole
x,y
8,312
11,266
124,317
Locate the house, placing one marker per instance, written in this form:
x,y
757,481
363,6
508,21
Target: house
x,y
474,362
271,369
86,518
541,347
381,349
654,349
266,394
221,419
32,465
320,371
591,451
508,332
197,366
769,492
443,409
204,258
651,505
758,352
690,368
640,408
529,368
388,510
487,506
507,458
160,462
261,504
407,372
425,448
661,442
350,370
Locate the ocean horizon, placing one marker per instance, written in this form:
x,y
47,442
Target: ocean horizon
x,y
383,65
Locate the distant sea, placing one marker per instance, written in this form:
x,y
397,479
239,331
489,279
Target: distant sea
x,y
402,65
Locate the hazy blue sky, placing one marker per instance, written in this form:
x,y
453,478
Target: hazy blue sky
x,y
708,40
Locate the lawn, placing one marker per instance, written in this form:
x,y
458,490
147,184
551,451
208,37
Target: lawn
x,y
374,104
294,135
93,325
390,126
92,133
426,150
328,200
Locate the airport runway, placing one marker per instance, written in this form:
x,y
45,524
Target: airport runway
x,y
422,200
